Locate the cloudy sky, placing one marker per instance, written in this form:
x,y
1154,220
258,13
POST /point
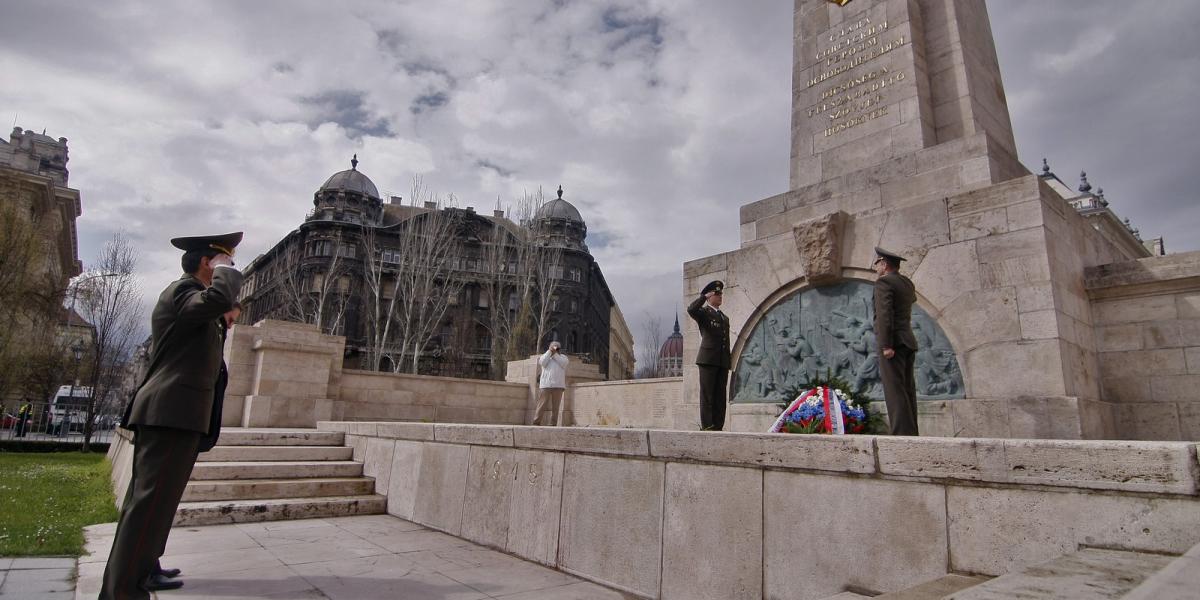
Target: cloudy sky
x,y
658,117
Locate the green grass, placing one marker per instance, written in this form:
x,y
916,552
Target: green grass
x,y
47,499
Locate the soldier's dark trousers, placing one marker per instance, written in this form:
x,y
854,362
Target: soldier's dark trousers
x,y
162,462
900,390
713,383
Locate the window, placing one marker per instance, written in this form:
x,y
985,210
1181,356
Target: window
x,y
512,301
576,274
574,307
320,248
349,250
556,272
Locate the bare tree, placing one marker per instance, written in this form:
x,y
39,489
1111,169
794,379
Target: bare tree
x,y
380,283
31,291
311,294
652,340
548,274
109,298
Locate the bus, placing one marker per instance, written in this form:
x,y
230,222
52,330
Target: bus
x,y
68,409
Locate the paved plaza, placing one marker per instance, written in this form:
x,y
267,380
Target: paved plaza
x,y
39,578
341,558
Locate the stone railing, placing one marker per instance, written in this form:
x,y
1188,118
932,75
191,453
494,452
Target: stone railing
x,y
699,515
642,403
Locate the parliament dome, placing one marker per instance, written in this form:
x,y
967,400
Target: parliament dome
x,y
351,180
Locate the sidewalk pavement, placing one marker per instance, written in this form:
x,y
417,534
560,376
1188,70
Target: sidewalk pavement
x,y
364,557
43,578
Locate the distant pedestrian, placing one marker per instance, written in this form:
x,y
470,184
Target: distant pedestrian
x,y
23,415
552,384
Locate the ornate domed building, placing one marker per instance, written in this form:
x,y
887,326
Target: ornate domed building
x,y
433,290
670,355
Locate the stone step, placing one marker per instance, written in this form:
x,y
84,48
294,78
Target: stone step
x,y
258,489
279,509
936,589
275,453
207,471
1089,574
1179,580
238,436
847,596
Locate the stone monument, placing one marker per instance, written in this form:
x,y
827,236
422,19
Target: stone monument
x,y
901,138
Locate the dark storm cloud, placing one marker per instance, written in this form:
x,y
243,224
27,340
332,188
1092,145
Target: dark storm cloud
x,y
499,170
630,28
347,108
429,101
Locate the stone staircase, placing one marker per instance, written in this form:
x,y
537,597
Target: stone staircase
x,y
277,474
1088,574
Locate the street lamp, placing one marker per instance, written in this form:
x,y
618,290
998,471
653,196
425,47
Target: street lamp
x,y
77,352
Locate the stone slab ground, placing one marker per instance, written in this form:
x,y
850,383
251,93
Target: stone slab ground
x,y
40,578
376,556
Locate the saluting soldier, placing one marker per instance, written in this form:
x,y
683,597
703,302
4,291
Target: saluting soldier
x,y
895,295
713,357
172,410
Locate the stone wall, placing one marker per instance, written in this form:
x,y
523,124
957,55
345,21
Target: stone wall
x,y
642,403
372,396
700,515
1147,324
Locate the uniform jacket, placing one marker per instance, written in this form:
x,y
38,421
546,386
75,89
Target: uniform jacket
x,y
185,360
554,370
714,334
894,298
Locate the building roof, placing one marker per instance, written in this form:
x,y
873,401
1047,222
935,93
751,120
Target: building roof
x,y
350,180
558,209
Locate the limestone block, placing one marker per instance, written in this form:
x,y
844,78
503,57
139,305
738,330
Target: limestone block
x,y
1136,363
943,458
1113,338
1035,296
536,506
1016,244
994,531
946,273
1003,370
980,418
404,479
1024,215
364,428
912,230
406,431
1019,271
626,492
963,319
378,462
1148,421
899,529
1135,310
1175,388
1188,305
342,426
819,244
709,507
359,444
441,487
1189,420
979,224
849,453
1163,334
1045,417
631,442
862,236
1192,361
484,435
750,271
491,473
1039,325
1159,467
935,418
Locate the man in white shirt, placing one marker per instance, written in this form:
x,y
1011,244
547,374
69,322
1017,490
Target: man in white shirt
x,y
552,384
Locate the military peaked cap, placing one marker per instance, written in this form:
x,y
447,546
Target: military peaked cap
x,y
221,243
713,286
880,252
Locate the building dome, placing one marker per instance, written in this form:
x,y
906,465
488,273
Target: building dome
x,y
673,347
558,209
351,180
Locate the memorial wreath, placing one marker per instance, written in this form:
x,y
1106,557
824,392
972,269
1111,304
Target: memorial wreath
x,y
823,405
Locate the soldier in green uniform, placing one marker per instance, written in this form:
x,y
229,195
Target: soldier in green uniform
x,y
895,295
713,357
172,410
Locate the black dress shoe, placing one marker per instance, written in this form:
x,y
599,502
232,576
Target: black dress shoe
x,y
168,573
157,583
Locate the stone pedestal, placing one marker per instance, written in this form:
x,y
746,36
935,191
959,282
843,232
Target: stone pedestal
x,y
281,374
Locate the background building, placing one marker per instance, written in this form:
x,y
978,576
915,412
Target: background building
x,y
39,254
438,290
670,355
